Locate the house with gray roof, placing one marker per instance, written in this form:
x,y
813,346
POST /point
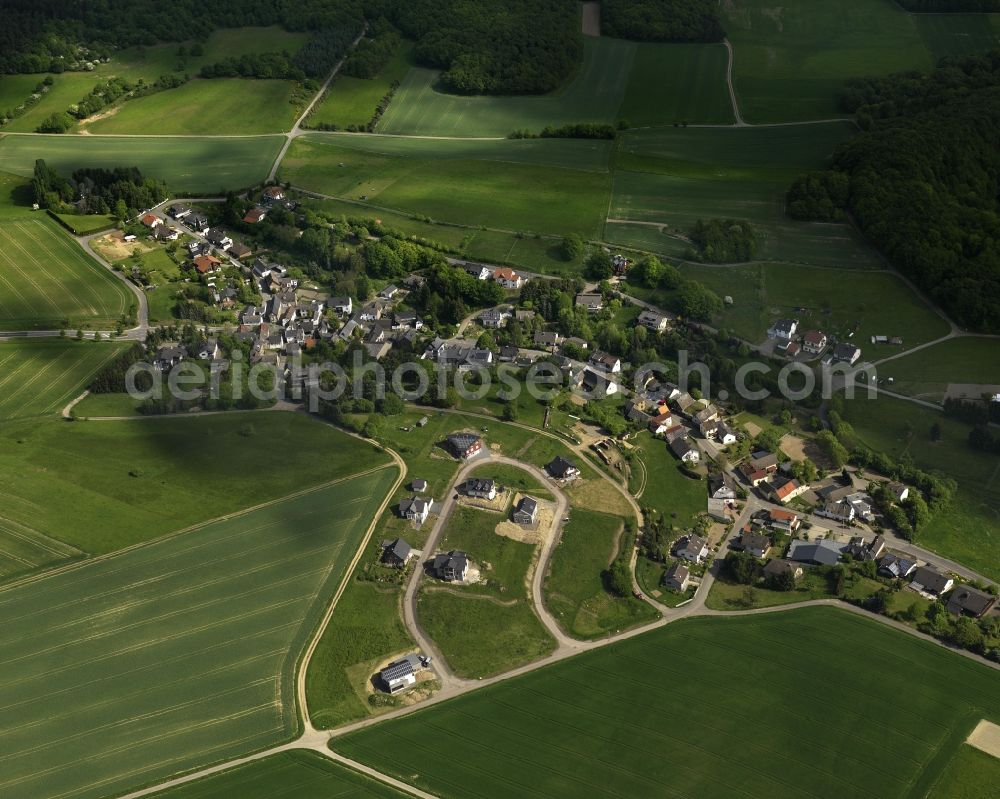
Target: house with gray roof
x,y
396,553
526,511
818,553
451,566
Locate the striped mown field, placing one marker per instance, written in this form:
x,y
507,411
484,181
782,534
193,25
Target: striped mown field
x,y
37,378
123,671
47,281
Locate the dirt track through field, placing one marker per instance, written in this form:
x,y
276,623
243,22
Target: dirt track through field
x,y
986,737
591,19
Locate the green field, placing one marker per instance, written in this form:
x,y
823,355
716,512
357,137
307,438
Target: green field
x,y
958,34
102,486
791,60
124,671
15,89
148,64
23,550
966,530
667,491
189,165
865,302
206,107
48,282
575,590
638,719
85,224
545,185
352,101
970,775
298,774
674,177
927,374
38,377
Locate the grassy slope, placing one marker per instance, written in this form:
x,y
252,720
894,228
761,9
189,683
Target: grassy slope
x,y
290,775
675,176
792,60
149,63
207,107
967,529
575,591
75,481
39,377
47,281
927,373
175,654
517,185
192,165
352,101
643,723
667,491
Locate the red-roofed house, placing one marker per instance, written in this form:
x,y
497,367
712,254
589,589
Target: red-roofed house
x,y
207,264
508,278
784,520
254,215
814,341
786,490
274,193
661,423
151,220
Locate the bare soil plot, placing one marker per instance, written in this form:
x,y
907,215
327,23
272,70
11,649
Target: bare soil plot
x,y
986,737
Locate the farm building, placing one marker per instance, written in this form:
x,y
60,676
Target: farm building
x,y
400,674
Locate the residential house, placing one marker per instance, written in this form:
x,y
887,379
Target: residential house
x,y
198,222
261,269
388,292
682,401
478,357
451,566
660,423
684,449
619,264
273,194
151,220
605,361
416,509
494,318
592,302
396,553
821,553
418,485
847,353
778,566
788,348
508,354
783,329
840,511
255,215
596,385
785,489
546,339
178,211
861,549
784,520
508,278
207,350
343,306
677,578
899,491
721,487
219,238
526,511
754,543
166,233
674,432
168,357
928,580
240,251
575,341
464,445
725,434
399,675
707,414
481,488
968,601
692,548
651,320
814,342
478,271
759,467
896,566
562,469
718,509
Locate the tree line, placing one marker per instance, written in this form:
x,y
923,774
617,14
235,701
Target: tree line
x,y
920,180
662,20
938,6
121,191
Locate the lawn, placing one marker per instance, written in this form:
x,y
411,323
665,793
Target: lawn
x,y
575,590
928,373
791,60
206,107
502,561
546,186
967,529
85,224
38,377
352,101
102,486
124,671
479,637
668,492
298,774
148,64
863,302
512,478
675,176
189,165
48,282
602,724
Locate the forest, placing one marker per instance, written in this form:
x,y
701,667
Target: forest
x,y
921,181
662,20
122,191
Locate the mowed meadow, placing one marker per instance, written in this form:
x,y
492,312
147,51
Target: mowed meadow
x,y
126,670
666,714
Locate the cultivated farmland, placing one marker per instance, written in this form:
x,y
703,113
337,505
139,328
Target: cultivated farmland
x,y
958,34
38,377
186,164
102,486
535,185
951,368
48,282
122,671
673,177
598,724
289,775
23,550
352,101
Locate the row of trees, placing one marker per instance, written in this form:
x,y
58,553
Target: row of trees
x,y
372,53
721,241
662,20
122,191
921,181
255,65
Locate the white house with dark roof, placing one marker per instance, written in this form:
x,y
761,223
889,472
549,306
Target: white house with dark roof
x,y
526,511
692,548
783,329
481,488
